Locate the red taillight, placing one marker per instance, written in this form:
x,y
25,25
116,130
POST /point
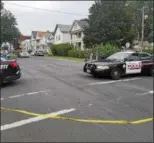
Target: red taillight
x,y
14,65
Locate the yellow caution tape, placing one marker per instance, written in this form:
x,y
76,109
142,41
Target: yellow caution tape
x,y
81,120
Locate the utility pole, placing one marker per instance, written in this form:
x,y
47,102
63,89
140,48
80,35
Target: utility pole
x,y
142,36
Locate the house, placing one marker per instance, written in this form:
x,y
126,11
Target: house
x,y
46,41
24,42
38,40
76,33
61,34
26,45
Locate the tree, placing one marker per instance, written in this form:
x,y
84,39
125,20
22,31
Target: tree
x,y
9,29
117,22
148,19
150,37
110,21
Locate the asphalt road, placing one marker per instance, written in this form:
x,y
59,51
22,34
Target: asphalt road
x,y
59,87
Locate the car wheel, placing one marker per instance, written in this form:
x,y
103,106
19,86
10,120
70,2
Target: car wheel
x,y
95,75
151,71
115,74
1,81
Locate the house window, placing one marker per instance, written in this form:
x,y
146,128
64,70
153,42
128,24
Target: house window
x,y
79,35
58,38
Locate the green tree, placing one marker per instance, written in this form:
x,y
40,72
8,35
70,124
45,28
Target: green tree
x,y
117,22
110,21
9,29
148,21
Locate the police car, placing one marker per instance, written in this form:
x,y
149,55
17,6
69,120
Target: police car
x,y
9,70
121,63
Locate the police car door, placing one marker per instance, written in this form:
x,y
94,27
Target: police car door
x,y
133,64
146,60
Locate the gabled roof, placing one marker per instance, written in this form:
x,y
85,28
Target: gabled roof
x,y
41,33
23,37
82,23
63,28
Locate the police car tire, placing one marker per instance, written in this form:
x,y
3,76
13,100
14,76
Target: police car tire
x,y
1,81
114,76
95,75
151,71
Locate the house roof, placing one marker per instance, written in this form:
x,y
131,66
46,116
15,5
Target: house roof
x,y
48,34
42,33
39,34
82,23
63,28
23,37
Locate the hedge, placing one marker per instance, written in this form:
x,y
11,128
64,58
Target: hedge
x,y
106,49
77,53
149,50
68,50
61,49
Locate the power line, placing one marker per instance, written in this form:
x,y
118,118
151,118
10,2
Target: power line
x,y
45,9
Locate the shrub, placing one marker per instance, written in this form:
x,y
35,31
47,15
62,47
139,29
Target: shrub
x,y
106,49
61,49
77,53
149,50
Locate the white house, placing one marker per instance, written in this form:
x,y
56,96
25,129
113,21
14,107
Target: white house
x,y
46,41
76,33
26,45
61,34
41,40
34,41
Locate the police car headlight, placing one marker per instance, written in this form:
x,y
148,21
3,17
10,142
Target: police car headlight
x,y
102,67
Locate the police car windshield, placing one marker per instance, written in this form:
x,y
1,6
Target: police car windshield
x,y
119,56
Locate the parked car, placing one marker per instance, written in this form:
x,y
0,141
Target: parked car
x,y
39,53
32,53
121,63
24,55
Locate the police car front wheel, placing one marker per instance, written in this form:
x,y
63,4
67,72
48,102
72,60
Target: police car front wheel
x,y
115,74
151,71
1,81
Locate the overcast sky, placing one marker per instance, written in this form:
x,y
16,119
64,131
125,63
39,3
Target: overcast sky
x,y
33,19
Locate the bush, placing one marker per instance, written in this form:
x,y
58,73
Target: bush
x,y
77,53
106,49
149,50
61,49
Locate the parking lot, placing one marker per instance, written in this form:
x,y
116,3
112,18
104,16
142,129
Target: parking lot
x,y
55,101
